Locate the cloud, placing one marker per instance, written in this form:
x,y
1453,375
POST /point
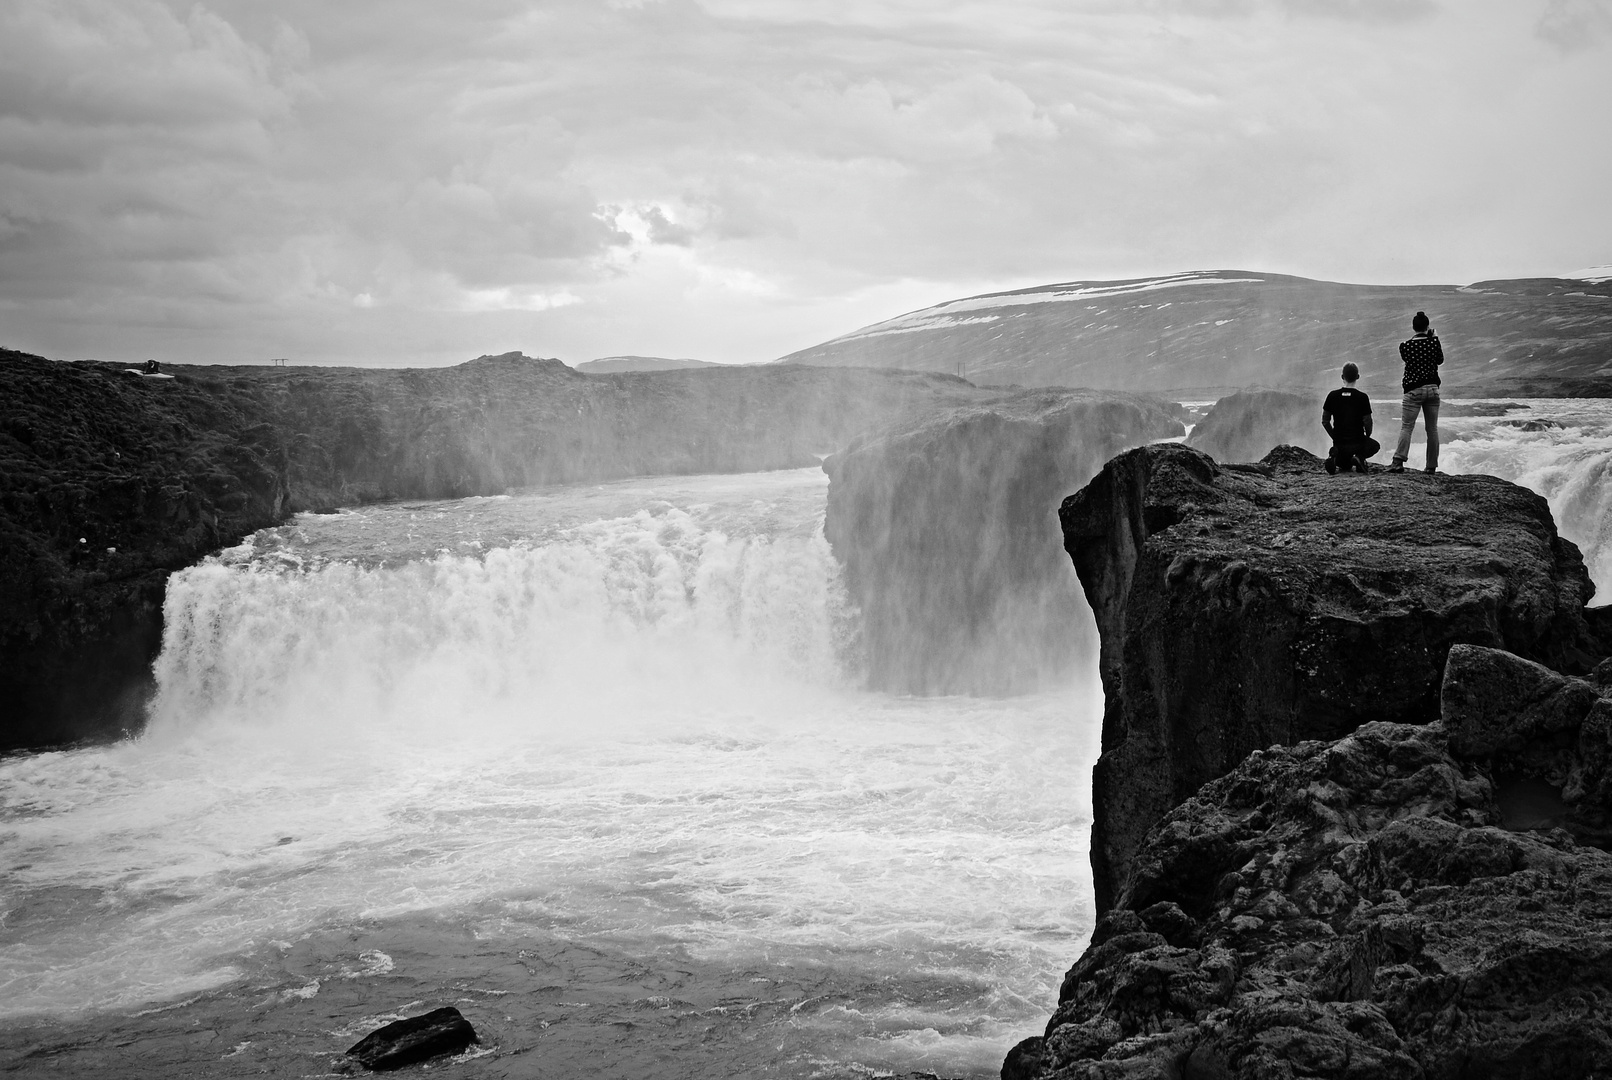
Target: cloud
x,y
734,179
507,299
1574,25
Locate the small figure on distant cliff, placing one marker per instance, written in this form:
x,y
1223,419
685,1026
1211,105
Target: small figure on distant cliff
x,y
1422,355
153,368
1346,416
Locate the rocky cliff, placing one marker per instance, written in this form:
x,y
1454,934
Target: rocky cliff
x,y
1405,902
1240,607
1245,426
946,531
1355,795
110,481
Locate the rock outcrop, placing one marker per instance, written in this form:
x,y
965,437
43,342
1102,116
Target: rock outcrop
x,y
413,1040
110,481
1241,607
949,542
1407,901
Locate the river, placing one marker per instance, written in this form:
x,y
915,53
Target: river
x,y
593,765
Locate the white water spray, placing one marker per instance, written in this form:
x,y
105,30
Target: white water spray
x,y
1567,458
636,729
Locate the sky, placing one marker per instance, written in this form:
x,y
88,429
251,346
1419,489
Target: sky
x,y
414,182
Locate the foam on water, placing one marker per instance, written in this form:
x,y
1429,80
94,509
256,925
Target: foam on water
x,y
1570,465
635,729
623,714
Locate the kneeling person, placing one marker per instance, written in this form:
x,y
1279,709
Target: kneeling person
x,y
1346,416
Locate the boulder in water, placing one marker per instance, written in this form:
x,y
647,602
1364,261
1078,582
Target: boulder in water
x,y
1540,424
416,1039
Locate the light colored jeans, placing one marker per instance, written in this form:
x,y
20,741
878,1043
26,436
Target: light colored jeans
x,y
1424,400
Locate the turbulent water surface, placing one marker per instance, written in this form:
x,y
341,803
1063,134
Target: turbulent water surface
x,y
1566,457
591,764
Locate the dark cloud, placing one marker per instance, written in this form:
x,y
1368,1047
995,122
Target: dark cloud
x,y
736,178
1575,25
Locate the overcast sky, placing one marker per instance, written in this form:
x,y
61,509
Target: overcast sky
x,y
418,182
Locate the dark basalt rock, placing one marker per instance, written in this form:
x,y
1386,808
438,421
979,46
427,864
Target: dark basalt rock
x,y
416,1039
1362,908
1273,604
110,481
945,530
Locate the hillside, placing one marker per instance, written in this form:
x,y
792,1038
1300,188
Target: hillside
x,y
612,365
1215,330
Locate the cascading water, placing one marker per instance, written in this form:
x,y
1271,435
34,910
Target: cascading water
x,y
1562,448
593,765
614,719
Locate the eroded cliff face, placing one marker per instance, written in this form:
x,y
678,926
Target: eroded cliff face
x,y
950,546
1245,426
1407,901
1241,607
109,481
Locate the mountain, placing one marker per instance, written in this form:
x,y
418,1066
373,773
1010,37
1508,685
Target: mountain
x,y
1220,329
610,365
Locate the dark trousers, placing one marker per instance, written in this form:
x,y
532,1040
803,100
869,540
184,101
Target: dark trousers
x,y
1352,453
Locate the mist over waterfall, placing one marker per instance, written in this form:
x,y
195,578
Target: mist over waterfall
x,y
610,748
621,722
1561,448
649,612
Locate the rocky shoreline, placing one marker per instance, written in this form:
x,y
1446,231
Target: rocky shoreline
x,y
1353,802
110,481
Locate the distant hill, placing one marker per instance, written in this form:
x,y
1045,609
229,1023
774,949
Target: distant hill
x,y
610,365
1216,330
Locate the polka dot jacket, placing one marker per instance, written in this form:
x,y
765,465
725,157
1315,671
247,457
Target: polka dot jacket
x,y
1422,355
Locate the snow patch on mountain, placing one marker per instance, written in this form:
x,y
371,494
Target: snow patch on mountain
x,y
945,315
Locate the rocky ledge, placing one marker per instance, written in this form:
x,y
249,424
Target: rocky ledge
x,y
946,531
1244,606
1355,797
110,481
1405,902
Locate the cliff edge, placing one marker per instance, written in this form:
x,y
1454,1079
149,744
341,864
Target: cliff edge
x,y
1244,606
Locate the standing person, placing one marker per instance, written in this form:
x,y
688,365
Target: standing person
x,y
1346,416
1422,355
